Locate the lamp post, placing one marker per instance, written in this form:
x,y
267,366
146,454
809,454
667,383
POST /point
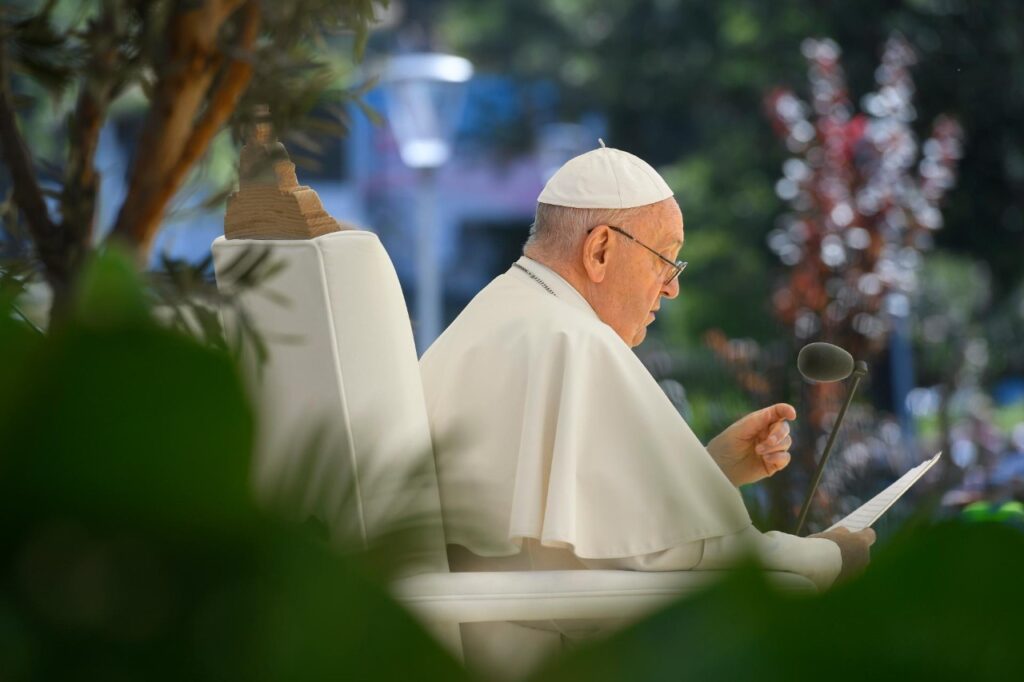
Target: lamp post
x,y
424,95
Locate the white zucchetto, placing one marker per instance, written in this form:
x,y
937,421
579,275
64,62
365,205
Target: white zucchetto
x,y
605,178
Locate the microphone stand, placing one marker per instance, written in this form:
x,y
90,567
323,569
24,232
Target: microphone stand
x,y
860,370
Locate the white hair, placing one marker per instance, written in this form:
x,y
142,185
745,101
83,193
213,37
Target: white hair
x,y
558,231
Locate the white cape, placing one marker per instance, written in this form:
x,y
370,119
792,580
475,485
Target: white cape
x,y
546,425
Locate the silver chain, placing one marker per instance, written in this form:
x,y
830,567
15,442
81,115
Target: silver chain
x,y
536,279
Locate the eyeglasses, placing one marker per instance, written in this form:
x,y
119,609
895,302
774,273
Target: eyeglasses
x,y
676,266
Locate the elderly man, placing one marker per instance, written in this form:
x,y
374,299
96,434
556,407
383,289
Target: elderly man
x,y
555,446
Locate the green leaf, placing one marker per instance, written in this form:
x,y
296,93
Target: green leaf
x,y
112,292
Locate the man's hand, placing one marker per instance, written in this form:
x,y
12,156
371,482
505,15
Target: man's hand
x,y
855,549
756,445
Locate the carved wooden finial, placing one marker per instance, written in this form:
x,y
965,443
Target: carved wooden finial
x,y
270,203
263,129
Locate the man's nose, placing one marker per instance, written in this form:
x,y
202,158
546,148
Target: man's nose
x,y
670,289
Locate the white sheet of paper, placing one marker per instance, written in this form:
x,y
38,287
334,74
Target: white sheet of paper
x,y
869,512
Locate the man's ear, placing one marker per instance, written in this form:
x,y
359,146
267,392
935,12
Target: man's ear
x,y
596,251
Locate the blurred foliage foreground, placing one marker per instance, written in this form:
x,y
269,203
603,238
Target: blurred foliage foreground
x,y
130,548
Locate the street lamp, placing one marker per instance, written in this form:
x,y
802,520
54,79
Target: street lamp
x,y
424,94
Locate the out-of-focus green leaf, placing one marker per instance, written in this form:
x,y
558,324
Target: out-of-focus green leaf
x,y
111,291
938,603
130,546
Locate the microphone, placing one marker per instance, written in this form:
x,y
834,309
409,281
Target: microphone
x,y
821,362
824,363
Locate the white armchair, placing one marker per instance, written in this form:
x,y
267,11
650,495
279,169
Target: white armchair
x,y
341,373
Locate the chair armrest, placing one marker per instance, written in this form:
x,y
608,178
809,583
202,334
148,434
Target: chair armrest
x,y
550,595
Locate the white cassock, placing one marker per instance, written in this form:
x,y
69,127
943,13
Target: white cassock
x,y
556,448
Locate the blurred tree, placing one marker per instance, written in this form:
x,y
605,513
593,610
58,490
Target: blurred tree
x,y
861,214
1005,330
199,66
951,305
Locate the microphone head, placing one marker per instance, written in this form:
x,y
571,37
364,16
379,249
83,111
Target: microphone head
x,y
822,362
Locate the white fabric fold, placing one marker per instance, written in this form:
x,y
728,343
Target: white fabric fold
x,y
547,426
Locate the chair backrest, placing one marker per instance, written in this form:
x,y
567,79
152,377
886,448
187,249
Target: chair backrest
x,y
343,434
